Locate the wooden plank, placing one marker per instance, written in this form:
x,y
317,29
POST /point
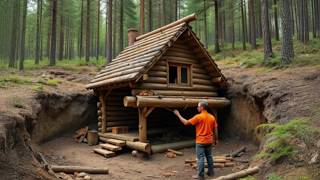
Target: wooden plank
x,y
124,137
111,147
113,141
104,152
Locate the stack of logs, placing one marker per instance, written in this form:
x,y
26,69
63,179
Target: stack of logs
x,y
99,105
219,162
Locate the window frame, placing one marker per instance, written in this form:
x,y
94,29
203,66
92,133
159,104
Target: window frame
x,y
179,66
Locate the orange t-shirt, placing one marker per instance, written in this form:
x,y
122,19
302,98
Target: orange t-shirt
x,y
205,124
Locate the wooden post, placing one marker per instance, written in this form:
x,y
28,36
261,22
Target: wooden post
x,y
143,114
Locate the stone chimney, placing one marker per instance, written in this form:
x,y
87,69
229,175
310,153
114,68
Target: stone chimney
x,y
132,34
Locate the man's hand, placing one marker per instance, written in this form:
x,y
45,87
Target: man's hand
x,y
176,112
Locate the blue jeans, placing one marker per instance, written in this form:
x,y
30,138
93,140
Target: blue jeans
x,y
204,150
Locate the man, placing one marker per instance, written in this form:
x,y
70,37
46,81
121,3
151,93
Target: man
x,y
206,134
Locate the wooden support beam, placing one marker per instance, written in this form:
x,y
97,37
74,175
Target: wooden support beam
x,y
142,126
103,112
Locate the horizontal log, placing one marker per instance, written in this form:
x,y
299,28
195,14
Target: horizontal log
x,y
104,153
139,146
176,145
113,141
159,68
195,87
130,101
179,93
124,137
188,56
121,123
172,102
160,80
202,82
179,59
239,174
201,76
73,169
157,74
122,114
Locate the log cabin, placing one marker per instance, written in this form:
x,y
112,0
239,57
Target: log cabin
x,y
161,70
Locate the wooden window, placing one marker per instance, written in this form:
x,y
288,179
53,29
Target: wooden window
x,y
179,74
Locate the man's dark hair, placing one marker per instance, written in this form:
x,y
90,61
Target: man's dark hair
x,y
204,104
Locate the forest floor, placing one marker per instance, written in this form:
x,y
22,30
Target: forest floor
x,y
64,150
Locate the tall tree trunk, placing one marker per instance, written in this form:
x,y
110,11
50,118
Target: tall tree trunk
x,y
88,32
231,30
243,26
23,34
13,44
287,52
81,29
252,28
176,3
205,23
39,17
150,15
115,25
121,42
98,32
266,31
216,16
109,39
258,19
275,16
61,41
53,33
142,16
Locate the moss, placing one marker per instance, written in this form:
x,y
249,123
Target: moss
x,y
248,178
17,102
281,136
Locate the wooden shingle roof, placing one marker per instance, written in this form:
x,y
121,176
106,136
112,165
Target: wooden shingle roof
x,y
135,60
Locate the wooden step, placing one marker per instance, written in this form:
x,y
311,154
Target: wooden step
x,y
104,152
110,147
113,141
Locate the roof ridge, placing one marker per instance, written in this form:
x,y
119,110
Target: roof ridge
x,y
186,20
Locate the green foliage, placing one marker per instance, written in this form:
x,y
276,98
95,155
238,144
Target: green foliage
x,y
248,178
17,102
37,87
49,82
280,139
274,176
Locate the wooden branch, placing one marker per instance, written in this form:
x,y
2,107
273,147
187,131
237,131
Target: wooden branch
x,y
149,111
237,152
239,174
176,152
73,169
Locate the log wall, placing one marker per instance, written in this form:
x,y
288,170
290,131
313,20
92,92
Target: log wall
x,y
156,81
117,114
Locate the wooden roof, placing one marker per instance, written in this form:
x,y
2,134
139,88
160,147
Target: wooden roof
x,y
135,60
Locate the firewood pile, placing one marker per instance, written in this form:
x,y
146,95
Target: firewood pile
x,y
219,162
81,135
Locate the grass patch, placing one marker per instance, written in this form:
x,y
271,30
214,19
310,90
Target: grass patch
x,y
281,138
274,176
17,102
37,88
5,81
248,178
49,82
